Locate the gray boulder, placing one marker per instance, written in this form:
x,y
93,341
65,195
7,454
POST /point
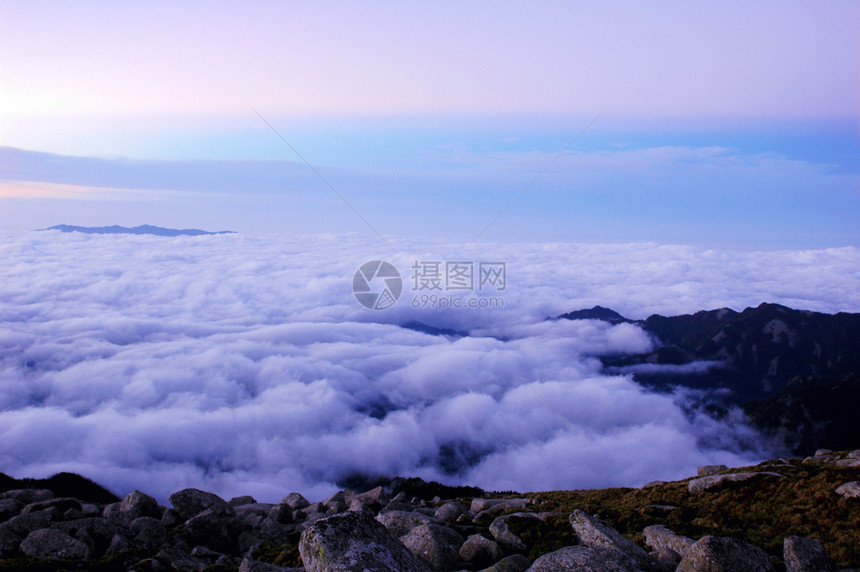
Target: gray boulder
x,y
650,484
722,554
357,505
480,504
667,557
180,560
450,511
700,485
295,501
241,501
191,502
24,524
355,541
849,490
95,532
513,563
506,537
254,514
118,545
49,544
171,518
658,537
214,528
148,534
584,559
706,470
595,534
10,508
399,523
61,504
806,555
137,504
28,496
9,541
438,545
480,551
374,499
282,513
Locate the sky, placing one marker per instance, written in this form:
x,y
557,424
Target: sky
x,y
734,124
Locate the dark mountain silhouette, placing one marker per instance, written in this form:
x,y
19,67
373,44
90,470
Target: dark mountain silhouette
x,y
433,330
143,229
794,369
596,313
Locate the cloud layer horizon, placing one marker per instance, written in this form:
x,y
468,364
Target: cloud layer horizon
x,y
243,364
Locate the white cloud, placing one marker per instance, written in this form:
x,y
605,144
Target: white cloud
x,y
243,364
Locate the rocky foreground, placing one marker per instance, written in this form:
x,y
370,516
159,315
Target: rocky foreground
x,y
788,514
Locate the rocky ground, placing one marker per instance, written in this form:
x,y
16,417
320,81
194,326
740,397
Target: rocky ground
x,y
787,514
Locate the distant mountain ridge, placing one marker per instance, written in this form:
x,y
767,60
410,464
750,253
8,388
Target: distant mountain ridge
x,y
776,361
142,229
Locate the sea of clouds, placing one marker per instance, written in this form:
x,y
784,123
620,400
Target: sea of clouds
x,y
243,364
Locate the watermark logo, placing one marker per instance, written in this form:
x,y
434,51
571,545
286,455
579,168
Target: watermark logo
x,y
377,285
437,284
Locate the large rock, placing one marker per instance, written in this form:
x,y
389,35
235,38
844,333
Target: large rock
x,y
721,554
241,501
137,504
355,541
806,555
513,563
374,499
480,505
584,559
10,508
24,524
282,513
148,534
700,485
215,528
849,490
658,537
191,502
506,537
295,501
594,533
399,523
28,496
438,545
179,560
118,545
480,551
95,532
254,514
706,470
9,541
49,544
450,511
61,504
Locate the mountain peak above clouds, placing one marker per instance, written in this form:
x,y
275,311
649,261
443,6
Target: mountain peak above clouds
x,y
778,362
142,229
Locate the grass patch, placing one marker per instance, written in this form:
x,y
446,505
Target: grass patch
x,y
763,511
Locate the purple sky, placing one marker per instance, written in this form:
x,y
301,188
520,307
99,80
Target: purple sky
x,y
734,59
738,116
